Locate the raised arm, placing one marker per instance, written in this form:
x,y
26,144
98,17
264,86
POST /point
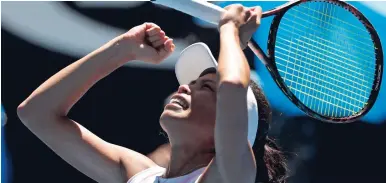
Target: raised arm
x,y
234,156
44,112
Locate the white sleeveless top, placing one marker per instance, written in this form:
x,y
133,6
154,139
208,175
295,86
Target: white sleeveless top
x,y
153,175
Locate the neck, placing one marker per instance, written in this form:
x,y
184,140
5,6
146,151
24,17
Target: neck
x,y
186,159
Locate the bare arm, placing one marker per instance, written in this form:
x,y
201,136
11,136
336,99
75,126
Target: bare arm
x,y
44,112
60,92
233,153
234,156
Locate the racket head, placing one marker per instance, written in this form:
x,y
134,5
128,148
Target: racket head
x,y
353,109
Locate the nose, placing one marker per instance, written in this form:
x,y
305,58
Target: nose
x,y
184,89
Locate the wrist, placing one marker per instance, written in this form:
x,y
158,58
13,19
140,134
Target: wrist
x,y
122,48
229,28
229,32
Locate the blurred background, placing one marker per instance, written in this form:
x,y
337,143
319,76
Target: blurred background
x,y
40,38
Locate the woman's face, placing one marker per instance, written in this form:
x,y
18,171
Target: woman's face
x,y
190,114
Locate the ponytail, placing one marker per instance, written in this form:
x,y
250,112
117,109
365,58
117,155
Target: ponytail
x,y
270,161
275,163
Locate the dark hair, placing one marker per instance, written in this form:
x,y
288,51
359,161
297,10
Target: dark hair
x,y
270,161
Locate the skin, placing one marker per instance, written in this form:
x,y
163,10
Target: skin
x,y
190,130
215,117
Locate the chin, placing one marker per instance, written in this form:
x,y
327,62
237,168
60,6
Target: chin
x,y
174,112
170,115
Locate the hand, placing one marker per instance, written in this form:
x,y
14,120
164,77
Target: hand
x,y
246,20
147,42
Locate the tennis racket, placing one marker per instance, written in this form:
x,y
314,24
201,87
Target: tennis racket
x,y
324,55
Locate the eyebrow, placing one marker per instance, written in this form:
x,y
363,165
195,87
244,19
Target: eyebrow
x,y
208,80
203,81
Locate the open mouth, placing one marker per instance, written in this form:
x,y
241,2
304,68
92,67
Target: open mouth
x,y
179,101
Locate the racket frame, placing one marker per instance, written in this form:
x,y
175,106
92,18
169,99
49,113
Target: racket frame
x,y
269,60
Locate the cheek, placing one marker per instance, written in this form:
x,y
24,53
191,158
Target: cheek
x,y
204,110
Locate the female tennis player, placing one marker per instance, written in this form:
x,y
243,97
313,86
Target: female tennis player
x,y
211,120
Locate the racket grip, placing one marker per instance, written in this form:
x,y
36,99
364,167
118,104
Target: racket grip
x,y
196,8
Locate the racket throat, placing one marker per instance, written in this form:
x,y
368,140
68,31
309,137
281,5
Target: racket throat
x,y
258,52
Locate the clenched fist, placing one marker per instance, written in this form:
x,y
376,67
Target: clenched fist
x,y
146,42
246,20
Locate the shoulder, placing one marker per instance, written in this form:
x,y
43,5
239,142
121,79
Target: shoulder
x,y
133,162
211,173
193,177
245,174
148,175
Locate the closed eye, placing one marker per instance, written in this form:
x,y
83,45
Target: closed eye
x,y
207,86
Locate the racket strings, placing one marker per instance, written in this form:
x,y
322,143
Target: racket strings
x,y
368,74
321,63
295,22
300,19
369,84
357,69
329,42
330,62
324,34
319,58
338,32
340,113
335,18
322,92
323,101
336,26
324,75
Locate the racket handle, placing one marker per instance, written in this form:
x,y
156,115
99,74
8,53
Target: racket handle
x,y
196,8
